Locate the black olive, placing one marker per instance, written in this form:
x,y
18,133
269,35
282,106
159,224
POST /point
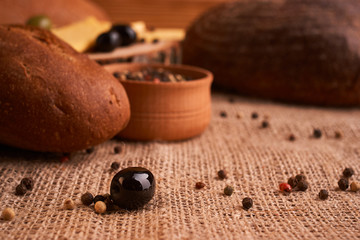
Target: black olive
x,y
127,34
132,187
106,42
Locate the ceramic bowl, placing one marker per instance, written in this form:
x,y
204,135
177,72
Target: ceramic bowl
x,y
167,110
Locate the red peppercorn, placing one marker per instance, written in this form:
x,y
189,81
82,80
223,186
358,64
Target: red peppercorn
x,y
285,187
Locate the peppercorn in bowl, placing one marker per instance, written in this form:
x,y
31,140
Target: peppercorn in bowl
x,y
168,102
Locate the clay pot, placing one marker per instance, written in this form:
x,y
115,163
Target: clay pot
x,y
167,110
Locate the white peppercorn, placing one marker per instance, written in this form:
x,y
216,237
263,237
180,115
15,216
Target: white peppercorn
x,y
100,207
8,214
69,204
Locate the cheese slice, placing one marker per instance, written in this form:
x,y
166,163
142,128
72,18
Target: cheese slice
x,y
176,34
82,35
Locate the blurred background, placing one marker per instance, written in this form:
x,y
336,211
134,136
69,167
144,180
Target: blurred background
x,y
157,13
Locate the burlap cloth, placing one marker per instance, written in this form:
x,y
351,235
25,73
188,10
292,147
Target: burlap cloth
x,y
256,159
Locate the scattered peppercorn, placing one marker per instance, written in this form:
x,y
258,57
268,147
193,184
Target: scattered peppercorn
x,y
100,207
115,166
222,174
292,137
28,183
317,133
302,185
338,134
223,114
228,190
247,203
264,124
292,182
199,185
117,149
355,186
300,177
99,198
69,204
285,187
239,115
323,194
90,150
231,100
343,184
8,214
108,201
20,190
348,172
87,198
155,40
254,115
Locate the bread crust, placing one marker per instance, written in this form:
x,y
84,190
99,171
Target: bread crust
x,y
52,98
300,51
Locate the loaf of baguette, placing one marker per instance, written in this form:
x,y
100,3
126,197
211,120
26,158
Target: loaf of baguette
x,y
52,98
303,51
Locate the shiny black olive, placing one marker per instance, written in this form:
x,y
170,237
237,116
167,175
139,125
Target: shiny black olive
x,y
132,187
106,42
128,35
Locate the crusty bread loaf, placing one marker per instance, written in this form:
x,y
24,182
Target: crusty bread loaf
x,y
61,12
304,51
53,98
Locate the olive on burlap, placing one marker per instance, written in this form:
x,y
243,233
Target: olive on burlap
x,y
295,51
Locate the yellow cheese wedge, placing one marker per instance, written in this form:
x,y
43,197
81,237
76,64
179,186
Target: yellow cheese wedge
x,y
176,34
139,27
82,35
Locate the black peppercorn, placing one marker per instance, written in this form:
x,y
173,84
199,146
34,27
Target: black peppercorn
x,y
343,184
317,133
28,183
199,185
223,114
20,190
132,187
292,137
264,124
115,165
155,40
99,198
117,149
292,182
254,115
231,100
300,177
247,203
323,194
222,174
348,172
228,190
302,186
87,198
90,150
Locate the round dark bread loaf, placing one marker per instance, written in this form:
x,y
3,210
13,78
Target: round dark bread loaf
x,y
53,98
303,51
61,12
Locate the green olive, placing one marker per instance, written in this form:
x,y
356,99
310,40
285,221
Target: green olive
x,y
40,21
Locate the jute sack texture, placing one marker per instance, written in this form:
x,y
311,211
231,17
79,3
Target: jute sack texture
x,y
256,159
